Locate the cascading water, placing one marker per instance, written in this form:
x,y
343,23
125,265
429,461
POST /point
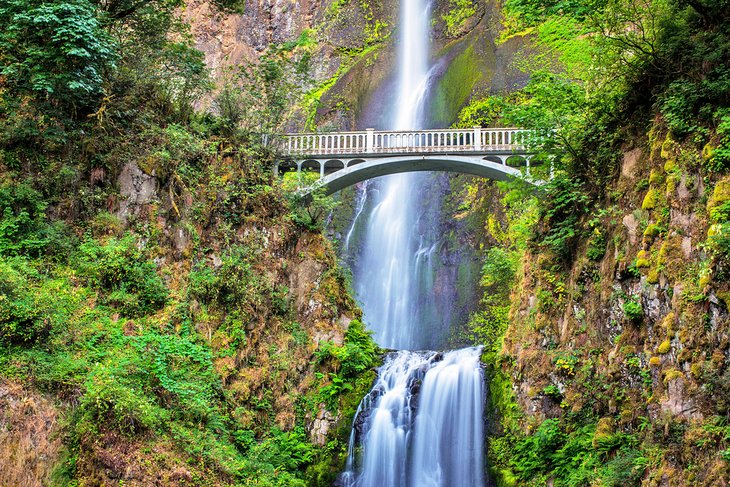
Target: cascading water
x,y
387,277
422,423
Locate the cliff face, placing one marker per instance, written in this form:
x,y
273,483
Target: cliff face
x,y
635,332
350,50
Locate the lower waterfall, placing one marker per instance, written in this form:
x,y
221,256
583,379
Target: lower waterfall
x,y
422,423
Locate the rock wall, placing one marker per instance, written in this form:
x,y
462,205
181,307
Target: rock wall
x,y
638,335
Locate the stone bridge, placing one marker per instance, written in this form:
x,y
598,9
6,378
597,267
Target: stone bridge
x,y
345,158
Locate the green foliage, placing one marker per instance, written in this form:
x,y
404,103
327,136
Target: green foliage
x,y
459,12
237,286
499,267
120,268
571,457
633,310
256,96
565,364
20,317
566,204
111,401
719,239
184,369
54,50
357,355
310,210
596,246
24,229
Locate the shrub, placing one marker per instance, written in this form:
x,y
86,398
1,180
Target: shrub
x,y
111,402
121,269
184,369
20,318
54,50
24,229
596,246
633,310
499,268
237,285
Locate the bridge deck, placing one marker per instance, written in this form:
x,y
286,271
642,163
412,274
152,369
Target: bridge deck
x,y
369,143
345,158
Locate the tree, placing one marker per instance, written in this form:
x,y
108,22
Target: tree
x,y
55,51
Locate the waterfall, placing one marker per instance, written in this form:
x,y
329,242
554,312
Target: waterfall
x,y
422,423
388,278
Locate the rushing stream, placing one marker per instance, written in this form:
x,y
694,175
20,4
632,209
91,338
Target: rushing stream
x,y
422,423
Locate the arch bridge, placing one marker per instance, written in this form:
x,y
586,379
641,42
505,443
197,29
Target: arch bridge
x,y
345,158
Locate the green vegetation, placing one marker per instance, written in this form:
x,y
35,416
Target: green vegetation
x,y
459,12
625,111
159,310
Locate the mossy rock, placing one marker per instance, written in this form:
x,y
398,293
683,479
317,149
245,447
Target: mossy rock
x,y
656,177
652,230
708,151
604,432
670,166
671,186
650,200
724,296
718,206
664,347
672,374
653,276
642,259
668,322
670,147
696,370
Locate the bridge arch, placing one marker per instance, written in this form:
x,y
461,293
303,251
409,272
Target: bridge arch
x,y
345,158
383,166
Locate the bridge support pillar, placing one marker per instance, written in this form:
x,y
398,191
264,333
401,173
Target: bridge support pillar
x,y
369,140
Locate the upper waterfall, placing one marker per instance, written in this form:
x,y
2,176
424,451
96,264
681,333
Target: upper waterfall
x,y
390,277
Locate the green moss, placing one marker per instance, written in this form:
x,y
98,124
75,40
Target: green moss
x,y
668,323
671,186
604,432
708,151
718,206
664,347
642,259
672,374
669,147
652,230
656,177
455,87
650,200
653,276
459,12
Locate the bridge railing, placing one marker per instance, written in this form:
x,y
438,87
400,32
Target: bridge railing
x,y
370,141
